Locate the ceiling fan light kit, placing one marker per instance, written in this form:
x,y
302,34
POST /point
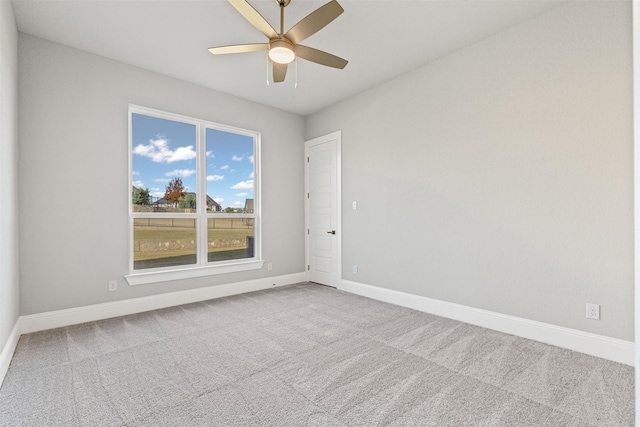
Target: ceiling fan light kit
x,y
281,51
283,47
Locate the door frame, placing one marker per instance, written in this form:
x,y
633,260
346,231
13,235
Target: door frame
x,y
337,136
636,201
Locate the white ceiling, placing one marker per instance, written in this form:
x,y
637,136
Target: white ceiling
x,y
381,39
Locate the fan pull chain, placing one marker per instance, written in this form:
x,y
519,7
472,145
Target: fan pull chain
x,y
296,83
268,68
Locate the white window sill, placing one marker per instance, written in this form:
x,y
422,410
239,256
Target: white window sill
x,y
143,278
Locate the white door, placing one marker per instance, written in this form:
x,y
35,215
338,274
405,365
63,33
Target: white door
x,y
324,263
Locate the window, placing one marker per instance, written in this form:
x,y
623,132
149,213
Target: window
x,y
194,197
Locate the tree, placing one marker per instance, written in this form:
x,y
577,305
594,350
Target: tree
x,y
141,197
174,191
187,202
229,209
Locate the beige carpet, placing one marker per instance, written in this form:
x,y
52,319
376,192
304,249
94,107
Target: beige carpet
x,y
304,355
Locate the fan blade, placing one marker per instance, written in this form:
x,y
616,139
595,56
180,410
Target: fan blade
x,y
314,21
254,17
279,72
239,48
320,57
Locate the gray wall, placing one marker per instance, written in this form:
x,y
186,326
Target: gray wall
x,y
9,277
73,174
501,176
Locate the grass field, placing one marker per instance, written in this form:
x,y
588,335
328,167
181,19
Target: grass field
x,y
160,233
188,235
188,259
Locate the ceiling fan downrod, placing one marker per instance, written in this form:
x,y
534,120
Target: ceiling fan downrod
x,y
282,4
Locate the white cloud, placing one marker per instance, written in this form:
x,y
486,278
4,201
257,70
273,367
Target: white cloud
x,y
219,200
182,153
138,184
224,167
251,158
237,158
242,194
158,151
156,192
243,185
210,154
163,180
134,173
215,178
182,173
239,204
251,175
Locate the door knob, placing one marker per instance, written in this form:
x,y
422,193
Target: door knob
x,y
331,232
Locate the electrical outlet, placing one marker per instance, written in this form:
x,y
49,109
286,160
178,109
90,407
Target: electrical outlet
x,y
113,285
355,269
269,266
593,311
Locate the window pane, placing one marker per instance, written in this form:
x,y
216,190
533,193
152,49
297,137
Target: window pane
x,y
163,165
163,242
230,238
230,172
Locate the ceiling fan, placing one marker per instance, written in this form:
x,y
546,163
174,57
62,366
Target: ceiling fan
x,y
284,47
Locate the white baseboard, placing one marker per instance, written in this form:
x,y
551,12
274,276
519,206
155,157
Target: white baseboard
x,y
9,348
91,313
595,345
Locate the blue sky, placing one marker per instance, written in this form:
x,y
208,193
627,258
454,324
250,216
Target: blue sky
x,y
164,149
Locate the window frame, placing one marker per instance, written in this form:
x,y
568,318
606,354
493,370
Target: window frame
x,y
202,267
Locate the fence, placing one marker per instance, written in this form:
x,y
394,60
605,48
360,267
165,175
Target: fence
x,y
165,222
